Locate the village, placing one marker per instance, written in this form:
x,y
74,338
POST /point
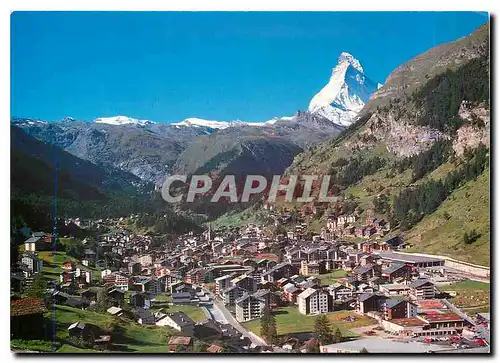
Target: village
x,y
209,292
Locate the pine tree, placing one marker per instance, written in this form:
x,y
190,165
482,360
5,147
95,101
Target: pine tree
x,y
102,303
337,337
37,287
268,328
322,330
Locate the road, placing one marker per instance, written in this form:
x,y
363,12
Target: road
x,y
222,315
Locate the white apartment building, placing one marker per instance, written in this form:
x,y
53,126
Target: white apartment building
x,y
313,301
249,307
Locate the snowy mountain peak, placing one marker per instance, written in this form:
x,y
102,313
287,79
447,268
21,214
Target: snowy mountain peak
x,y
198,122
348,58
219,125
121,120
345,94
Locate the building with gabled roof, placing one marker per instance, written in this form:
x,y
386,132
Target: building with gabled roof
x,y
314,301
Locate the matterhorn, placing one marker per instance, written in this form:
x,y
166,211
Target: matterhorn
x,y
347,91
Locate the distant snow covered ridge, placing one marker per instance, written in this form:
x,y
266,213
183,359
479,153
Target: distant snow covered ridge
x,y
345,94
28,122
198,122
121,120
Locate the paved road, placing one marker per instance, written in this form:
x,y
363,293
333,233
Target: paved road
x,y
221,314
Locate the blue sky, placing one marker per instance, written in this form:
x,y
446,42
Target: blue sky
x,y
222,66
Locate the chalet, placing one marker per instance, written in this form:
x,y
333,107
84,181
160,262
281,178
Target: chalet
x,y
67,277
291,292
83,275
368,302
245,282
396,271
364,273
167,280
178,321
179,344
116,296
208,330
215,349
32,262
69,265
394,243
195,276
140,300
355,255
399,308
368,260
81,331
182,298
181,286
90,294
90,255
271,298
103,342
38,241
26,318
279,271
282,282
394,289
340,291
142,316
364,287
17,282
134,268
377,281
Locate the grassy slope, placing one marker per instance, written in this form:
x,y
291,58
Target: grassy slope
x,y
52,264
289,320
473,296
126,335
468,208
194,312
332,277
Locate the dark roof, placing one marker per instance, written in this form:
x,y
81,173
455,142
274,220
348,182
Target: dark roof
x,y
393,302
141,312
117,290
181,295
366,296
75,302
394,241
229,289
363,269
261,293
181,319
393,268
419,282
